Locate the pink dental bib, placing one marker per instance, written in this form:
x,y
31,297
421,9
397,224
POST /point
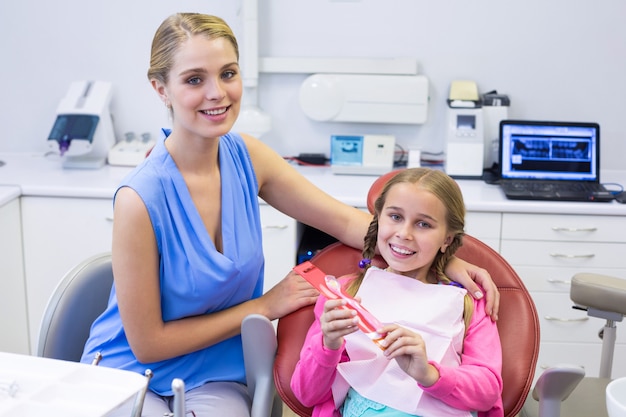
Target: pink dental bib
x,y
433,311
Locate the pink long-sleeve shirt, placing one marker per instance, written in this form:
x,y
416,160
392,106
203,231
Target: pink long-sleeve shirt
x,y
475,385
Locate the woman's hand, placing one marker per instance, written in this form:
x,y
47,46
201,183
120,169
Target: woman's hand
x,y
409,351
336,322
469,275
290,294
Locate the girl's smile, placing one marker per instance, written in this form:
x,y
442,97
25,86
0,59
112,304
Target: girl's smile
x,y
411,230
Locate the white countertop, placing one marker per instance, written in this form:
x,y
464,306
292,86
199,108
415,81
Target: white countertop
x,y
37,175
8,193
478,195
35,386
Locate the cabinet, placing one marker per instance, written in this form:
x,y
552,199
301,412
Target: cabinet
x,y
13,325
61,232
279,244
546,251
484,226
58,234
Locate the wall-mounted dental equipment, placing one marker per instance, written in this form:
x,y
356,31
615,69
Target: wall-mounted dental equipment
x,y
365,98
83,130
252,119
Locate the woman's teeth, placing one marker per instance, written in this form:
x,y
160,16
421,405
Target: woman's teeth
x,y
214,112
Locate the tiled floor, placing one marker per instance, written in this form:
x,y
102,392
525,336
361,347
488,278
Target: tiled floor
x,y
287,412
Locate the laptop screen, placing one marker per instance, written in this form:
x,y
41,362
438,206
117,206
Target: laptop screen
x,y
549,150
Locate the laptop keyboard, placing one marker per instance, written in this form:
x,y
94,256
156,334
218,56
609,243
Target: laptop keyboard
x,y
555,186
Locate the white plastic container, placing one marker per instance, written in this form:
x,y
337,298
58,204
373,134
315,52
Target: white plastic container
x,y
616,398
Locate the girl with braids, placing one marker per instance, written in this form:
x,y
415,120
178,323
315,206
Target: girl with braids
x,y
442,354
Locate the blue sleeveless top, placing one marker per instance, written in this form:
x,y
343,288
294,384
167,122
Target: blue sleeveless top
x,y
194,277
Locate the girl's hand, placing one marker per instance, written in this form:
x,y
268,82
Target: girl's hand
x,y
469,275
409,351
336,322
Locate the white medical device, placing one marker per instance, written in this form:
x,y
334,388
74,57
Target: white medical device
x,y
365,98
83,130
132,151
465,143
362,154
495,109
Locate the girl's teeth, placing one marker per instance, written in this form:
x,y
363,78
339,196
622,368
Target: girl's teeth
x,y
402,251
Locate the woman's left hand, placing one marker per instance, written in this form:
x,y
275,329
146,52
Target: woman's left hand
x,y
469,275
409,351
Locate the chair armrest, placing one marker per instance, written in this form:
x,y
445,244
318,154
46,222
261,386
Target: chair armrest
x,y
259,349
554,385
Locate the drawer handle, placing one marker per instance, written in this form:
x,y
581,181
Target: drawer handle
x,y
564,255
559,281
550,318
544,366
276,226
574,229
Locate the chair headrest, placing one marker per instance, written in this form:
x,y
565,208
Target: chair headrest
x,y
377,188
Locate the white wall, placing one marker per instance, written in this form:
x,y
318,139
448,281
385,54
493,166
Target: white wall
x,y
558,59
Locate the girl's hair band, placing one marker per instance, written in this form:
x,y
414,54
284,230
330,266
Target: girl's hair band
x,y
364,262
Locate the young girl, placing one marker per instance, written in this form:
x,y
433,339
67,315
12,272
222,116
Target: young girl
x,y
442,351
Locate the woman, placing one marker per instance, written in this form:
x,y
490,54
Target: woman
x,y
187,255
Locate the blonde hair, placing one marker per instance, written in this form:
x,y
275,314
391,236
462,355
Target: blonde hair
x,y
448,192
175,30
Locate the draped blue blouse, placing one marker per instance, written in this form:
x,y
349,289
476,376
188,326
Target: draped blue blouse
x,y
195,278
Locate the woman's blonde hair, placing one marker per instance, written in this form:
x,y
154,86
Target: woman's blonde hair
x,y
448,192
175,30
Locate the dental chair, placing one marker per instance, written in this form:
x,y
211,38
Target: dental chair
x,y
82,295
563,390
518,323
78,299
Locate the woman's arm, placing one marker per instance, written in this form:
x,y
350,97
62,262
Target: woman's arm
x,y
136,273
469,275
283,187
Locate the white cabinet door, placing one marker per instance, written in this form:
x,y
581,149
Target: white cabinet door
x,y
484,226
546,250
13,323
58,234
279,244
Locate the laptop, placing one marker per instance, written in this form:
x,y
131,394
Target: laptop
x,y
555,161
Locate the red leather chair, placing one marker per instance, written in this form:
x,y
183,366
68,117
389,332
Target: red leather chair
x,y
518,323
